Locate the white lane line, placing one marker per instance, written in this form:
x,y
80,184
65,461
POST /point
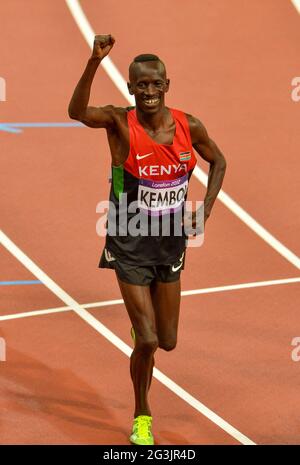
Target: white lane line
x,y
246,218
296,4
233,287
108,303
60,293
48,311
88,33
116,341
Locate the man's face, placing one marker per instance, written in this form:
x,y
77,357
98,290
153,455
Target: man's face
x,y
148,84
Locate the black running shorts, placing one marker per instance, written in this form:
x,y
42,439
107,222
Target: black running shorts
x,y
142,275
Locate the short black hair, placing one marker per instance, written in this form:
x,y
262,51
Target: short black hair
x,y
144,58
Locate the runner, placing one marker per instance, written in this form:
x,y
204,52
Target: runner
x,y
152,160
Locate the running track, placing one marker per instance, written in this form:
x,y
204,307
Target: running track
x,y
63,382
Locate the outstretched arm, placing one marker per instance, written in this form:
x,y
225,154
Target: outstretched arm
x,y
95,117
209,151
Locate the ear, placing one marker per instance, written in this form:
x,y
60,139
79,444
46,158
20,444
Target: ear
x,y
167,85
130,88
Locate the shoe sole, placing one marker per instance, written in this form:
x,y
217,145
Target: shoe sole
x,y
137,444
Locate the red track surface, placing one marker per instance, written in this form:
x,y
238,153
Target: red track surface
x,y
231,64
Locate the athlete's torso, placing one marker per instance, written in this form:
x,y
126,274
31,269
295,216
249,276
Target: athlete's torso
x,y
154,177
118,137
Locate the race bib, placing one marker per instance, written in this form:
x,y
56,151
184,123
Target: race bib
x,y
159,197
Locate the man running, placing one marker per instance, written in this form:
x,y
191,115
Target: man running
x,y
152,160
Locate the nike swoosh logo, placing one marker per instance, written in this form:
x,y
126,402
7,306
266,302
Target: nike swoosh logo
x,y
139,157
176,268
108,256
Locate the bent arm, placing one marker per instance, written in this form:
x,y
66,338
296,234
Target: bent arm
x,y
210,152
95,117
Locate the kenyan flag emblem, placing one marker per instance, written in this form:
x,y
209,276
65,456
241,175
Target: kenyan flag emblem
x,y
184,156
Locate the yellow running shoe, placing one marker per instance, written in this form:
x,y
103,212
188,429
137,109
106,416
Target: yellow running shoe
x,y
141,431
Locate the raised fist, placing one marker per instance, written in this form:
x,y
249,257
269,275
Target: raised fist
x,y
102,46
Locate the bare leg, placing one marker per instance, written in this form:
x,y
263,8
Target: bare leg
x,y
141,313
153,363
166,303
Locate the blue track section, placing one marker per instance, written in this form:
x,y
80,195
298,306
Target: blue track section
x,y
17,283
17,127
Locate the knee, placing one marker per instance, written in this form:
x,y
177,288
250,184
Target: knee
x,y
168,345
147,345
